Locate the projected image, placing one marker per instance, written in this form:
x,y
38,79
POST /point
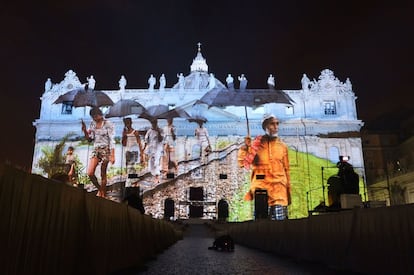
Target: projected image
x,y
195,180
179,145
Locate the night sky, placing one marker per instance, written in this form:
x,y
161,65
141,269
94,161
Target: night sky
x,y
368,41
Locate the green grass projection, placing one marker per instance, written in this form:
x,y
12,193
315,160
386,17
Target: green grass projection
x,y
307,180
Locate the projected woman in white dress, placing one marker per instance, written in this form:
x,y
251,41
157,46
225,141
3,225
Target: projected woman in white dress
x,y
154,148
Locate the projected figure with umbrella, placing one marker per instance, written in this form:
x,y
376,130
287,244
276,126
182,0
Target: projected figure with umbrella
x,y
267,157
169,159
154,138
101,132
131,140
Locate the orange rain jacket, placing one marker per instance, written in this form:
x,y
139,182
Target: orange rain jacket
x,y
268,158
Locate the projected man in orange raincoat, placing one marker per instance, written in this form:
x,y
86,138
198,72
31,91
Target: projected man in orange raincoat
x,y
267,156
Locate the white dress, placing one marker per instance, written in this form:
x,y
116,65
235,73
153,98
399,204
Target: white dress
x,y
154,150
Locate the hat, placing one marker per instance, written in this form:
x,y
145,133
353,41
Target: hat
x,y
95,111
266,118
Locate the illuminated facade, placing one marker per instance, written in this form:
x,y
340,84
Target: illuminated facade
x,y
322,122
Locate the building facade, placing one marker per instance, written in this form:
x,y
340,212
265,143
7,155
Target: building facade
x,y
389,160
321,122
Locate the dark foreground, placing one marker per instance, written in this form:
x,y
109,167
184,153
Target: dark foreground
x,y
192,256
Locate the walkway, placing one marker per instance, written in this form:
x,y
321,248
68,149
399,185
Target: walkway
x,y
192,256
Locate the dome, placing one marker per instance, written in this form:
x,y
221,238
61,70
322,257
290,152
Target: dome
x,y
199,78
199,63
199,81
